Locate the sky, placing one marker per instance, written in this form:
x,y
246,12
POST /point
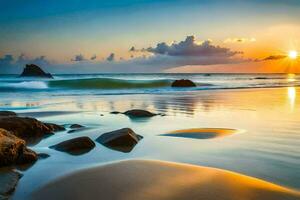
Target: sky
x,y
96,36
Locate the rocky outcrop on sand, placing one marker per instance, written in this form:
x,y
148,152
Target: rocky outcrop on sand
x,y
8,182
122,140
13,150
29,129
75,146
138,113
32,70
183,83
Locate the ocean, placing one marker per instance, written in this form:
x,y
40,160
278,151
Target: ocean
x,y
141,83
264,108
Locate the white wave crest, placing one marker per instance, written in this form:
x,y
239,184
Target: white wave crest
x,y
29,85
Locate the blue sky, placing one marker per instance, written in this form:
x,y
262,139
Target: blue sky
x,y
62,30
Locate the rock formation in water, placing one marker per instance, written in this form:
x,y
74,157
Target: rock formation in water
x,y
32,70
29,129
121,140
139,113
13,150
75,146
183,83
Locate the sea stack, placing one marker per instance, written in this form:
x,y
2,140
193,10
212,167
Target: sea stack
x,y
183,83
32,70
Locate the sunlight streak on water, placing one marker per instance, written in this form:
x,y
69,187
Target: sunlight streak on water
x,y
292,96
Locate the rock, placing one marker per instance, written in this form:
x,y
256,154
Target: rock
x,y
75,146
183,83
139,113
8,182
76,126
13,150
43,155
72,131
115,112
32,70
7,114
28,129
122,140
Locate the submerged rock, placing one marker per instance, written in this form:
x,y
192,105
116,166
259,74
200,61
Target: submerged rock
x,y
8,182
122,140
75,146
29,129
43,155
13,150
183,83
7,114
139,113
76,126
32,70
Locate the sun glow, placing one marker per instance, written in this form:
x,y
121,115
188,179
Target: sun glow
x,y
293,54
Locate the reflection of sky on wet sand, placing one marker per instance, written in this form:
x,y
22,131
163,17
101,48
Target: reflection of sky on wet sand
x,y
268,149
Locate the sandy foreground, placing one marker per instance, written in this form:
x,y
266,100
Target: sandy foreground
x,y
147,179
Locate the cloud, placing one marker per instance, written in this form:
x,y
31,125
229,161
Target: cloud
x,y
111,57
6,59
78,58
189,47
274,57
239,40
159,58
23,60
9,64
93,57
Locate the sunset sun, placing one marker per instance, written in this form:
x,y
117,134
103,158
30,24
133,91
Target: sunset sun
x,y
293,54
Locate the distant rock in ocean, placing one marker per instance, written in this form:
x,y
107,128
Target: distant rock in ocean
x,y
183,83
32,70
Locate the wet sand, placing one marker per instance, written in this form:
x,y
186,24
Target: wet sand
x,y
267,148
202,133
144,179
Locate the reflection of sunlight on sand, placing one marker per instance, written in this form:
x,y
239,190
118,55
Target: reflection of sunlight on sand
x,y
202,133
149,179
291,96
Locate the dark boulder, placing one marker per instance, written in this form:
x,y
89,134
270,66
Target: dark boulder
x,y
32,70
8,182
115,112
122,140
13,150
75,146
7,114
76,126
138,113
183,83
29,129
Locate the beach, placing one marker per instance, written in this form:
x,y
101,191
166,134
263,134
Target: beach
x,y
249,135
